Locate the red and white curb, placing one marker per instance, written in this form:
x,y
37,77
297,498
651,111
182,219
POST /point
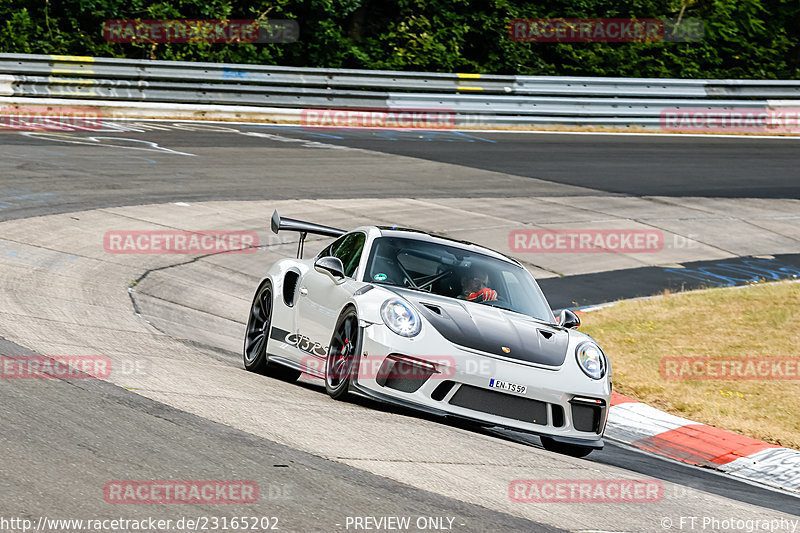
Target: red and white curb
x,y
655,431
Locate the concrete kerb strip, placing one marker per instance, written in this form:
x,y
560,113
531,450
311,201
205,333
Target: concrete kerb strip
x,y
661,433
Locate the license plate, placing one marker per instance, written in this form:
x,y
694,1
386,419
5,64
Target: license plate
x,y
505,385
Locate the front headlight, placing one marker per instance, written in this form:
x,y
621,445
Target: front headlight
x,y
400,317
591,360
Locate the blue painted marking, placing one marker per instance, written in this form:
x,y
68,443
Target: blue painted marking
x,y
731,274
297,129
474,137
229,74
386,135
19,197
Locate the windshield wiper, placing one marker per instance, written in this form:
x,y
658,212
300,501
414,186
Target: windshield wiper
x,y
401,286
526,315
501,307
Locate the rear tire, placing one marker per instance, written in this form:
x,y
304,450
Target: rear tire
x,y
257,338
572,450
343,353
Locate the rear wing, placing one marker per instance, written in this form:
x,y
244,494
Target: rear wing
x,y
304,228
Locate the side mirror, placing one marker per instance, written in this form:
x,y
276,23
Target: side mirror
x,y
332,266
568,319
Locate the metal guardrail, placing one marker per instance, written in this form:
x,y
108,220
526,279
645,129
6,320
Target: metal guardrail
x,y
496,99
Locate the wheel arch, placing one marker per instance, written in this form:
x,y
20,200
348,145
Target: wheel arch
x,y
340,390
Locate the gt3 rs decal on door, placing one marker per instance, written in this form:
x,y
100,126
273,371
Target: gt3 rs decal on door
x,y
301,342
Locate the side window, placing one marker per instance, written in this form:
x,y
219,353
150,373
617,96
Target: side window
x,y
349,251
329,249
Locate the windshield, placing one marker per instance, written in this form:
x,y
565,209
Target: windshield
x,y
456,273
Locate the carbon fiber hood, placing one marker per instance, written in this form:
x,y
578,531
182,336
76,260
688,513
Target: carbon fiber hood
x,y
489,329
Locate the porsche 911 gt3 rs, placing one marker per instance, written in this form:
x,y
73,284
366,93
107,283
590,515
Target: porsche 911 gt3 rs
x,y
435,324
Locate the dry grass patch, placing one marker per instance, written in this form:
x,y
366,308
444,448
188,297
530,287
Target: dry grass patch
x,y
755,321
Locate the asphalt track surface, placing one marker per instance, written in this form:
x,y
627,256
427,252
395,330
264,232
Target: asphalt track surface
x,y
584,290
630,165
41,176
54,456
61,174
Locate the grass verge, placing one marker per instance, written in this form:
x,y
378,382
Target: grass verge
x,y
749,323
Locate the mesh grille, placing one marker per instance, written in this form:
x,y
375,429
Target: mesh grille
x,y
497,403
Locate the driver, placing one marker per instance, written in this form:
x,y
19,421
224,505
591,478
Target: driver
x,y
475,286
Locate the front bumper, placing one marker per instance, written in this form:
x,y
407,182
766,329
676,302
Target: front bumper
x,y
561,403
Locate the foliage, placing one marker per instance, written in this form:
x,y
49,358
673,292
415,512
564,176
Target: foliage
x,y
743,38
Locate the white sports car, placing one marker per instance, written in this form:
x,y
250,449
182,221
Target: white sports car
x,y
443,326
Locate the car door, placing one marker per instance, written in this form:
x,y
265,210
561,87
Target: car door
x,y
321,299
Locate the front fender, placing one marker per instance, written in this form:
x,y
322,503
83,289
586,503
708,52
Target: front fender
x,y
368,301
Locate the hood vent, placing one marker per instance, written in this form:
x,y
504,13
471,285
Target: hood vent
x,y
546,334
434,308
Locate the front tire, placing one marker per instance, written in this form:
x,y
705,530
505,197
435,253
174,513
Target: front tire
x,y
257,337
343,353
572,450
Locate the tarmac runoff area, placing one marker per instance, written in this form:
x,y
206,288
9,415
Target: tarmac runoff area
x,y
66,294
